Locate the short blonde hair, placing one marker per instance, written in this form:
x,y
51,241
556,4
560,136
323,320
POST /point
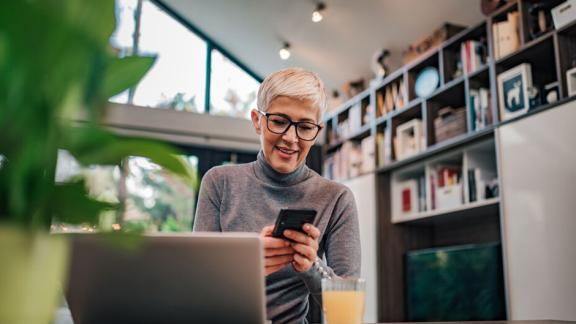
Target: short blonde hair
x,y
294,83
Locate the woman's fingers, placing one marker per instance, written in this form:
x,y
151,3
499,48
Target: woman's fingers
x,y
301,263
277,260
302,238
280,251
274,243
305,250
312,230
267,230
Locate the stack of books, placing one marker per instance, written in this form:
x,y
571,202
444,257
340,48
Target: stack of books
x,y
411,196
446,187
481,108
472,55
390,98
351,160
482,184
506,35
383,150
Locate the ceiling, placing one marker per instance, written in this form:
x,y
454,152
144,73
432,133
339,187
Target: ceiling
x,y
339,49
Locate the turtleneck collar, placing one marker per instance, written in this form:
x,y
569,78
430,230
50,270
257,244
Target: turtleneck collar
x,y
266,173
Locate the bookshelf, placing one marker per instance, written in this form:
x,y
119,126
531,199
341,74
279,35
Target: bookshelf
x,y
468,85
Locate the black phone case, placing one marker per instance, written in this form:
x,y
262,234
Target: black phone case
x,y
292,219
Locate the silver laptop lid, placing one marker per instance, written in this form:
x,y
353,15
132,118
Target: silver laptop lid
x,y
182,278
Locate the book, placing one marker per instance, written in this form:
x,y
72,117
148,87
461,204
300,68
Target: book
x,y
422,193
401,98
480,108
368,148
408,196
446,186
495,37
380,109
388,100
483,107
471,55
473,100
381,149
355,117
472,193
506,35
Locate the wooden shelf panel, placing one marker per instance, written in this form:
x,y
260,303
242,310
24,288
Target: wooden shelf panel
x,y
460,211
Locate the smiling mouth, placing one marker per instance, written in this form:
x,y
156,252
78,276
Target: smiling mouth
x,y
286,150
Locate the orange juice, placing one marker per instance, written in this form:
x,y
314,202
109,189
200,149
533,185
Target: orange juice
x,y
343,307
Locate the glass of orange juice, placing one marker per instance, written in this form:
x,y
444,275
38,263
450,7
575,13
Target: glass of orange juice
x,y
343,300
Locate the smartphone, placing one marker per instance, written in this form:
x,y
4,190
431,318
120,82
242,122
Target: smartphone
x,y
292,219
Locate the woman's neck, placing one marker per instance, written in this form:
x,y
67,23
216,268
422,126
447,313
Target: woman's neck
x,y
267,173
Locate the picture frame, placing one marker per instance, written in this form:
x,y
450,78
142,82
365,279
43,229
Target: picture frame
x,y
513,87
571,81
409,138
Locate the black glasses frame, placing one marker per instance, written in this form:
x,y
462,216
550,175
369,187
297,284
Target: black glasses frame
x,y
290,123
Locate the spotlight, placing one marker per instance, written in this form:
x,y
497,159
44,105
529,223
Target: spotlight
x,y
317,13
285,51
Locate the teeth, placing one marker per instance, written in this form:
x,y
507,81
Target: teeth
x,y
286,150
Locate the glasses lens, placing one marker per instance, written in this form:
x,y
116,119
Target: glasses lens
x,y
278,124
307,131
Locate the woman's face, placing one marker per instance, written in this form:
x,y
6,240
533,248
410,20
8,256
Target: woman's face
x,y
285,152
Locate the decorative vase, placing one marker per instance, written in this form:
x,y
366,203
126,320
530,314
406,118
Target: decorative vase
x,y
33,267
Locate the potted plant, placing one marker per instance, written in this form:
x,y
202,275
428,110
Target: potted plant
x,y
55,64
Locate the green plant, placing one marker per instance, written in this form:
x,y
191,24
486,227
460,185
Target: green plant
x,y
56,64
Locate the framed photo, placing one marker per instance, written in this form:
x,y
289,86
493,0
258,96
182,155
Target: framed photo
x,y
571,81
409,138
513,85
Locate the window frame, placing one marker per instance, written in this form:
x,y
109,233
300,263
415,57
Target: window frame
x,y
210,46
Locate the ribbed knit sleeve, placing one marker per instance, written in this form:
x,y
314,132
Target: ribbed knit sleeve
x,y
208,208
341,244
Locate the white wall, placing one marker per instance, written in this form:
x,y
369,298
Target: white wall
x,y
364,190
537,157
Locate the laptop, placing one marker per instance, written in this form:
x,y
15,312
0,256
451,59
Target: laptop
x,y
182,278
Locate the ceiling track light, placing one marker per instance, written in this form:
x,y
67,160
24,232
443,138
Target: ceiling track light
x,y
317,13
285,51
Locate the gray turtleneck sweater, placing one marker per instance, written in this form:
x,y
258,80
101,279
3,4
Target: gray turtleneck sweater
x,y
247,197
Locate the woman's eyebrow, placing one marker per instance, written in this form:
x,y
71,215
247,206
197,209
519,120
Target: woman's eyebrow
x,y
303,119
308,120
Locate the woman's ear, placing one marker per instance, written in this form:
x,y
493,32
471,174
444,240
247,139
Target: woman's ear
x,y
255,116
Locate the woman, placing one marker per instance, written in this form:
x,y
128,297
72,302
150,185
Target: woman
x,y
248,197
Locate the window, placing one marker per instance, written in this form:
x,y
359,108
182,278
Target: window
x,y
123,37
233,91
155,201
177,79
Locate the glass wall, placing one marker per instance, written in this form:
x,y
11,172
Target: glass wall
x,y
154,200
178,80
233,91
122,39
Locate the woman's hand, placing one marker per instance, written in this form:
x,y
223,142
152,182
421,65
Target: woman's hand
x,y
278,253
305,245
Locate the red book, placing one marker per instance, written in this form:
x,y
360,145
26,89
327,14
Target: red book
x,y
406,203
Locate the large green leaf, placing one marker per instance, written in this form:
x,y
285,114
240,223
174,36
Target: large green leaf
x,y
70,203
91,145
124,73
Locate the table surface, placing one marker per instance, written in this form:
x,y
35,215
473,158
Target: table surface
x,y
494,322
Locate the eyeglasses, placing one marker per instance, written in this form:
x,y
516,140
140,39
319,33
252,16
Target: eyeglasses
x,y
279,124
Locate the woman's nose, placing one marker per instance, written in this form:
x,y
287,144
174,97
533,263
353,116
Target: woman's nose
x,y
290,134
